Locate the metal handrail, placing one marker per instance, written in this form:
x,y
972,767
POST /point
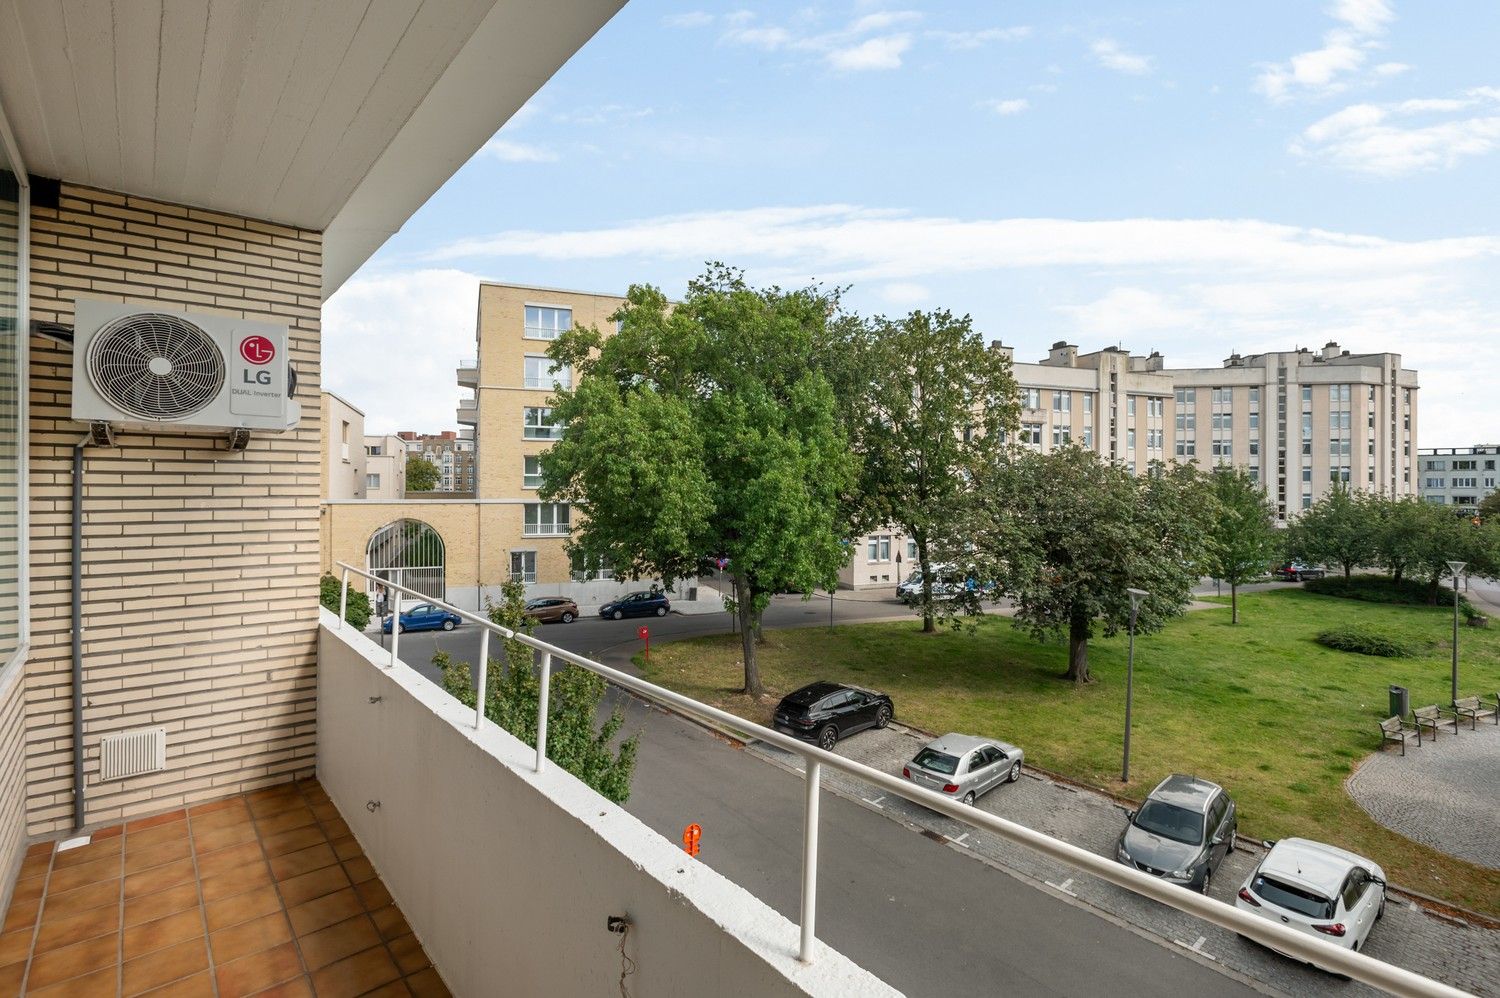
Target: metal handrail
x,y
1387,977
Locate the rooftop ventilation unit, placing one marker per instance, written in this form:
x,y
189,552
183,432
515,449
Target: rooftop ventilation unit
x,y
142,367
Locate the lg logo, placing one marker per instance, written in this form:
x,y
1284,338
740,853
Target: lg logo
x,y
259,351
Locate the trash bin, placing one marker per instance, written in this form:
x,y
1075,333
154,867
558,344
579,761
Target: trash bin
x,y
1400,701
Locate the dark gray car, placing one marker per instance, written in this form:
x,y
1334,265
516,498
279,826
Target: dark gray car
x,y
1181,833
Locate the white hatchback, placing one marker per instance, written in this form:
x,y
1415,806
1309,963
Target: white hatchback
x,y
1318,889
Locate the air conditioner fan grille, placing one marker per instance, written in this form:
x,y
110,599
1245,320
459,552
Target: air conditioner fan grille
x,y
154,366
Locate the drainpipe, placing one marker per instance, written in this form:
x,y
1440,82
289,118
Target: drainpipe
x,y
77,632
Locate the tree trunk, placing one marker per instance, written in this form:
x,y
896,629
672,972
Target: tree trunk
x,y
1432,588
1078,650
928,623
744,603
1396,575
1234,602
1348,569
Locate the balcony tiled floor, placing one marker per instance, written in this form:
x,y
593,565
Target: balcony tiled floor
x,y
265,893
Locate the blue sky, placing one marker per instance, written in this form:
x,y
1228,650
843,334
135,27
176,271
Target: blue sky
x,y
1193,178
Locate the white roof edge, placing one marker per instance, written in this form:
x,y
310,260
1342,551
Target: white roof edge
x,y
478,92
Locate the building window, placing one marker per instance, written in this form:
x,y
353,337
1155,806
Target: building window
x,y
543,323
537,424
1031,398
1130,438
1088,406
542,373
531,472
545,519
590,567
1031,434
1088,435
1061,436
1062,401
911,550
372,481
344,438
523,566
878,548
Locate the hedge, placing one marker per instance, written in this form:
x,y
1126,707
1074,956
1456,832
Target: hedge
x,y
1383,589
1362,641
356,612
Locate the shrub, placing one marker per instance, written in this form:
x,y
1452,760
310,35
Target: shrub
x,y
1383,589
356,611
1362,641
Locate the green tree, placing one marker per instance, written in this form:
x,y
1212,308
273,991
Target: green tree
x,y
421,474
1401,528
356,609
575,740
1065,534
938,404
704,429
1489,506
1339,529
1443,537
1242,532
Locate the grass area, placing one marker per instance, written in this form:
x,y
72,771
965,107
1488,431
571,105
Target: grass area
x,y
1260,708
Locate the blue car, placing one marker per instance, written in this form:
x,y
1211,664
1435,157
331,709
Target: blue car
x,y
636,605
425,617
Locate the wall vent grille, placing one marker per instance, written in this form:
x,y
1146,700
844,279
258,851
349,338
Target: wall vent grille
x,y
131,753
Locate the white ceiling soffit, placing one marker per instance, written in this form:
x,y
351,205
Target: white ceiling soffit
x,y
342,116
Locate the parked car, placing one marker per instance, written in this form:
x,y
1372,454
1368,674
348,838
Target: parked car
x,y
1295,571
947,582
963,766
547,609
641,604
1181,833
825,712
1316,889
424,617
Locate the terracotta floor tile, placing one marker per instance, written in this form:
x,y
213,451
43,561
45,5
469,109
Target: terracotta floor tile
x,y
10,978
325,811
34,866
373,894
298,838
222,837
222,804
197,986
346,847
30,889
73,961
164,966
285,821
313,885
15,946
274,803
390,922
324,911
250,937
313,791
148,937
39,849
167,818
84,874
146,857
161,904
256,972
159,878
294,864
241,908
359,869
395,989
408,954
99,984
234,882
107,832
336,828
356,974
155,835
427,984
222,861
297,987
22,915
57,933
346,938
70,903
103,849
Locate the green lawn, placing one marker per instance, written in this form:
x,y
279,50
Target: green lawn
x,y
1260,708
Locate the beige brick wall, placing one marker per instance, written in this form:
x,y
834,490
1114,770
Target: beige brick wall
x,y
200,589
12,779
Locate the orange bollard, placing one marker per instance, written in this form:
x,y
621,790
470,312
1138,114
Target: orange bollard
x,y
690,836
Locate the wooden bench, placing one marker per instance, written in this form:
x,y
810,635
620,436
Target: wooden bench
x,y
1430,717
1392,730
1474,708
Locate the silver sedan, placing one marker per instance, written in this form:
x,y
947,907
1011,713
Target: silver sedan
x,y
963,766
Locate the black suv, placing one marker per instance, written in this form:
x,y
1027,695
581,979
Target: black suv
x,y
826,712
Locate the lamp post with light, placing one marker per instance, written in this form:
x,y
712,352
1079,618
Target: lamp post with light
x,y
1136,595
1455,567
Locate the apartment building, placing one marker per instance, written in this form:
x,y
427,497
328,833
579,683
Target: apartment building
x,y
344,459
385,467
452,453
1461,477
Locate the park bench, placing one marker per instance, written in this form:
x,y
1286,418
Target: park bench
x,y
1430,717
1392,730
1473,708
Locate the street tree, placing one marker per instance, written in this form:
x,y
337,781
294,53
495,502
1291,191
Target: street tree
x,y
1065,534
704,429
938,404
1242,532
1489,507
576,740
1338,529
1445,537
1400,527
421,474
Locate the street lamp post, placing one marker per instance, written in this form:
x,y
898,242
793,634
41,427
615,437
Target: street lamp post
x,y
1136,595
1455,567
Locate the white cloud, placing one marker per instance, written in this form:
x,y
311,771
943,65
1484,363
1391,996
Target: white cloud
x,y
509,151
765,38
965,40
601,114
1007,106
1391,69
882,21
1344,51
883,52
1111,56
688,19
1391,140
906,294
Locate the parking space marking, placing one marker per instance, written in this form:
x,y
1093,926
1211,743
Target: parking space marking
x,y
1062,887
960,840
1197,947
875,802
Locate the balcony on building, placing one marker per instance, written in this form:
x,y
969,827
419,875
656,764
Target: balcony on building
x,y
468,412
468,372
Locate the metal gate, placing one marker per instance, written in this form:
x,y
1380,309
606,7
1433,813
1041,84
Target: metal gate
x,y
408,553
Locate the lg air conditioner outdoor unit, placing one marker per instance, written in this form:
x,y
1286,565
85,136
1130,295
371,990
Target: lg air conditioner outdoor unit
x,y
135,366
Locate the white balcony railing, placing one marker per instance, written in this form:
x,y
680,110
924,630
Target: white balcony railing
x,y
1395,980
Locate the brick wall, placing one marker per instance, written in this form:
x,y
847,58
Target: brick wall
x,y
200,571
12,780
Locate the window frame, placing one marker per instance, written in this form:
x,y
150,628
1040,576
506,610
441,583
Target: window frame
x,y
525,475
527,327
12,666
559,526
554,430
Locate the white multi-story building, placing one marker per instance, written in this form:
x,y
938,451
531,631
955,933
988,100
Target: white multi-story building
x,y
1461,477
